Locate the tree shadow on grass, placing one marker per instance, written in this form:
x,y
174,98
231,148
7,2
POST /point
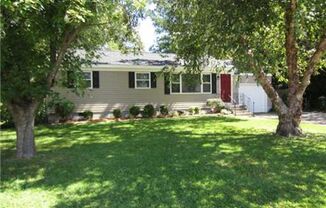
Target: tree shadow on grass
x,y
171,163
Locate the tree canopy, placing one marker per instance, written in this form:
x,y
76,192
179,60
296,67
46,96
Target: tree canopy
x,y
286,38
43,39
229,29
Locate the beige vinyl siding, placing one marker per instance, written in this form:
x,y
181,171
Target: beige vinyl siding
x,y
114,92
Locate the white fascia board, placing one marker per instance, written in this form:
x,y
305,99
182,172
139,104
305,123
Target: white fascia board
x,y
121,68
117,68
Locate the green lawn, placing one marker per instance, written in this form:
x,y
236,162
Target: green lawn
x,y
193,162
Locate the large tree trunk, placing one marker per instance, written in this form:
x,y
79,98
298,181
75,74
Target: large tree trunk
x,y
289,123
287,126
24,115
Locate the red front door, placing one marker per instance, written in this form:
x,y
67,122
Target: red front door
x,y
225,87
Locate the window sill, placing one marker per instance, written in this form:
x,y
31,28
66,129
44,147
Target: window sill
x,y
142,88
191,93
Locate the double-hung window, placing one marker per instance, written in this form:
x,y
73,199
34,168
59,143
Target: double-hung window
x,y
191,83
175,83
206,79
88,77
143,80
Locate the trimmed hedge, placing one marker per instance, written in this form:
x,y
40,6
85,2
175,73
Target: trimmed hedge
x,y
148,111
196,110
134,111
87,114
117,113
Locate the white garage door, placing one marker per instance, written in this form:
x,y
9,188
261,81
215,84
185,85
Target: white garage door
x,y
254,97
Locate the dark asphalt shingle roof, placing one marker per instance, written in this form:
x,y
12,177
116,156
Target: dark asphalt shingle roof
x,y
116,58
144,59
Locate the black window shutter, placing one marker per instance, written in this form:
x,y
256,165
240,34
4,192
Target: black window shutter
x,y
166,83
96,79
131,79
70,79
213,83
153,80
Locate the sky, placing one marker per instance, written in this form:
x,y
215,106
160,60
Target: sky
x,y
147,33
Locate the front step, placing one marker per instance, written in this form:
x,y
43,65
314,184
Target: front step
x,y
239,108
240,111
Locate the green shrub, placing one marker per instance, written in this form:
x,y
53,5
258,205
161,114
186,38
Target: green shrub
x,y
134,111
164,110
62,107
87,114
196,110
117,113
180,112
42,113
191,110
6,119
216,104
322,103
148,111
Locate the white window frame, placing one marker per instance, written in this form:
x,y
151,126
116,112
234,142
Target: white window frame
x,y
210,83
149,79
91,78
201,85
180,86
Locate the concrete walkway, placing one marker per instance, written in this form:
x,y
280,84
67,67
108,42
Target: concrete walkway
x,y
315,117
